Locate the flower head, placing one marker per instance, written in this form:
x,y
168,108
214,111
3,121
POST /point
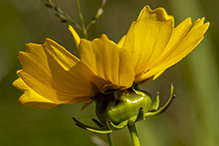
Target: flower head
x,y
52,76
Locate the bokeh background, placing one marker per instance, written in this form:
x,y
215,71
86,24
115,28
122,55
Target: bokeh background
x,y
191,120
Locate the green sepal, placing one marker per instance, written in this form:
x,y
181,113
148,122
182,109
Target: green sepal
x,y
155,104
114,127
154,114
101,130
98,123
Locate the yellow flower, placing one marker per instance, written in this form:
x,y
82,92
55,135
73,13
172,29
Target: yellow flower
x,y
52,76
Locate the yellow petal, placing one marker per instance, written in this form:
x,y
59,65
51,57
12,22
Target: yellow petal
x,y
52,72
185,38
105,59
75,36
179,33
60,54
30,98
140,80
148,36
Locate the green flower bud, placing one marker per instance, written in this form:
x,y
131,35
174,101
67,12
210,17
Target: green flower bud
x,y
122,105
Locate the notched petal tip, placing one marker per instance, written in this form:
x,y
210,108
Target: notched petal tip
x,y
200,22
200,27
161,13
206,26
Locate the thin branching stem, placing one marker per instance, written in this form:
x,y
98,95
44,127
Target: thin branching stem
x,y
82,20
62,15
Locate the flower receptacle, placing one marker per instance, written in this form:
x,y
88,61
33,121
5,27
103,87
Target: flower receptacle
x,y
122,105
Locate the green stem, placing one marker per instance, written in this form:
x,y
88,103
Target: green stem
x,y
62,15
110,140
82,20
134,135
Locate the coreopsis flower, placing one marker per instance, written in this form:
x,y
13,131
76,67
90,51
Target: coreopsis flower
x,y
52,76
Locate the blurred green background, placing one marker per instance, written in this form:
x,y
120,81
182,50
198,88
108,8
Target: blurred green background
x,y
192,119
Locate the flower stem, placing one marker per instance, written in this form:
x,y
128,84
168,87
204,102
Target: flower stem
x,y
82,20
134,135
110,140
